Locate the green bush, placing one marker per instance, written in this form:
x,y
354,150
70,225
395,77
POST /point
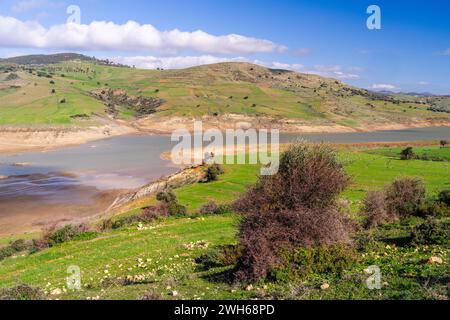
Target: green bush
x,y
57,236
302,262
213,172
6,252
222,256
431,232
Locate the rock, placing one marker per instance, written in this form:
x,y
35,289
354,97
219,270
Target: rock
x,y
249,288
174,293
56,292
435,260
325,286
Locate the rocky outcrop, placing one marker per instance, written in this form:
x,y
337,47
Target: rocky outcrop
x,y
142,106
181,178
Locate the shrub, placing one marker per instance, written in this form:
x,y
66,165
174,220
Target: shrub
x,y
213,208
22,292
374,210
405,196
213,172
431,232
407,154
66,233
124,221
6,252
150,214
176,209
62,100
444,197
432,208
19,245
106,224
166,196
294,208
301,262
222,256
169,204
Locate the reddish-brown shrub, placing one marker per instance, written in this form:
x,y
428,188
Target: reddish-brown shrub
x,y
374,210
405,196
295,207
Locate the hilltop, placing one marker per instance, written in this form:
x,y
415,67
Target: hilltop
x,y
74,91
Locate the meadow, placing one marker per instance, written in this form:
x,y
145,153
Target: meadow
x,y
158,259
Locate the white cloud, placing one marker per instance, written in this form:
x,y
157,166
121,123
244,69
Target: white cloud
x,y
383,86
423,83
446,52
131,36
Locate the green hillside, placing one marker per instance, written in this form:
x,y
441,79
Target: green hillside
x,y
61,93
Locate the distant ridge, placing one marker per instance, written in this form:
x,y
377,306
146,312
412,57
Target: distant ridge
x,y
47,59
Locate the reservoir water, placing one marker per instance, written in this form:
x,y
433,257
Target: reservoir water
x,y
75,178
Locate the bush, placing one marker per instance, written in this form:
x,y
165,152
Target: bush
x,y
374,210
169,204
15,247
432,208
166,196
213,208
407,154
294,208
222,256
19,245
444,197
431,232
22,292
302,262
405,197
6,252
213,172
66,233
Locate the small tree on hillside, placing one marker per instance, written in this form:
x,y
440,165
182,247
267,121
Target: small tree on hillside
x,y
443,143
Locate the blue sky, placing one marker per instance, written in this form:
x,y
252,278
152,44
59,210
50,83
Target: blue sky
x,y
410,53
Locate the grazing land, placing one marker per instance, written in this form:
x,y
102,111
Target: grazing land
x,y
160,259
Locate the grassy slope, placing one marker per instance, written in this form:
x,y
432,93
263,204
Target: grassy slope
x,y
171,265
214,89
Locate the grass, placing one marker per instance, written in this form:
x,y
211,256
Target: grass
x,y
157,252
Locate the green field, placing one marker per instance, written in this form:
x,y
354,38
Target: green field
x,y
159,253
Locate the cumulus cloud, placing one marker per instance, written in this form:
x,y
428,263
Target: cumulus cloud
x,y
383,86
131,36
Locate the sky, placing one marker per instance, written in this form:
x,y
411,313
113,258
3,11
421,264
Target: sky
x,y
410,53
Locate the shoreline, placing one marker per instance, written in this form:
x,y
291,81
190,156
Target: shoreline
x,y
21,140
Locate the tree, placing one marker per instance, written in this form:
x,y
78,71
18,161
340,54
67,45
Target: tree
x,y
443,143
407,154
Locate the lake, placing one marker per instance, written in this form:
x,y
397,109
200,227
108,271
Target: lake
x,y
78,180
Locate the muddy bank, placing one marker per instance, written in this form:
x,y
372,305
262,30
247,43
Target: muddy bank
x,y
15,139
27,214
160,125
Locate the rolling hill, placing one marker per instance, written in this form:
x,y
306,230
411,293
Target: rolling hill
x,y
72,90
